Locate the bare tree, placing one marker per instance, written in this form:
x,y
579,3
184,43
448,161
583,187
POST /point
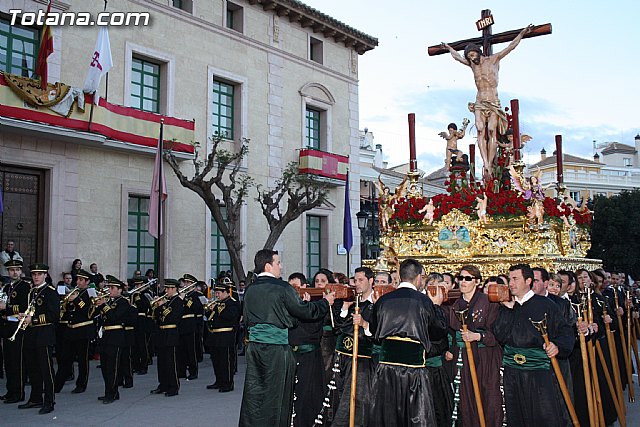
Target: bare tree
x,y
302,192
299,193
224,167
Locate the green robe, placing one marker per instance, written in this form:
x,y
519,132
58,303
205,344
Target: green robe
x,y
268,387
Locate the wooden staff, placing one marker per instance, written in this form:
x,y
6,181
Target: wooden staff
x,y
585,371
541,326
472,368
612,390
354,368
630,344
594,371
625,349
613,353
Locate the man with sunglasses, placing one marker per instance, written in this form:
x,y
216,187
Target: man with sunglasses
x,y
530,389
475,310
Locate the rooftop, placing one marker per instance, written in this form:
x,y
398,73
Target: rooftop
x,y
319,22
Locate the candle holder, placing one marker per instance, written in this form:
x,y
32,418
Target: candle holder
x,y
413,188
519,167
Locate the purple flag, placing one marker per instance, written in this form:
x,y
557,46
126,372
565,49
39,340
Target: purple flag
x,y
347,233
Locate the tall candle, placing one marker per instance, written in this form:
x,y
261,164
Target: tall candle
x,y
559,174
472,161
515,123
413,162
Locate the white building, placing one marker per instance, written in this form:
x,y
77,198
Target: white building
x,y
275,71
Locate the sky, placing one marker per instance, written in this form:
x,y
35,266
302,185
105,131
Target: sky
x,y
580,82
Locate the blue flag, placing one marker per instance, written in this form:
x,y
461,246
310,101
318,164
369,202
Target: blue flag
x,y
347,234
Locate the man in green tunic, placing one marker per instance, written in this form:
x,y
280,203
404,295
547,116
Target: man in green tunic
x,y
271,307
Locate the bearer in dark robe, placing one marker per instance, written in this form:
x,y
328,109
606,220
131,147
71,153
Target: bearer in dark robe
x,y
344,352
304,340
271,307
532,396
406,321
540,287
479,315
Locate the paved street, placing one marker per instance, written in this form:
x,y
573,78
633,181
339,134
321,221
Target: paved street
x,y
195,406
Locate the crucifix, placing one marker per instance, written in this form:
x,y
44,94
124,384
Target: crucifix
x,y
490,118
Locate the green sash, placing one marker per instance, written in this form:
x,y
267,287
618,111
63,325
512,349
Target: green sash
x,y
403,352
525,358
304,348
266,333
344,345
461,342
434,362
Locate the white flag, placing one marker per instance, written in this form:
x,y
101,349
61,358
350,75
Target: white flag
x,y
101,63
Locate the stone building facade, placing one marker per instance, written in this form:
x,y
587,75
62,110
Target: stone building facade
x,y
277,72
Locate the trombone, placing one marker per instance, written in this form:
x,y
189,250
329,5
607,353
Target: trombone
x,y
143,286
158,301
30,311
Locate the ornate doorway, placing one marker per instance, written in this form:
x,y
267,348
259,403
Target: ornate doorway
x,y
23,217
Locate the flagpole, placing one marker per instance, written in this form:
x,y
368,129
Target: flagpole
x,y
160,193
106,77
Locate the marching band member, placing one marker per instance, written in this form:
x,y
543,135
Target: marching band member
x,y
167,316
222,325
80,329
39,339
125,368
17,292
187,359
140,353
113,313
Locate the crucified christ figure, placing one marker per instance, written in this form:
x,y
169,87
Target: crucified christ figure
x,y
489,116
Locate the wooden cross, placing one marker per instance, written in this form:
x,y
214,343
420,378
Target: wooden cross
x,y
487,40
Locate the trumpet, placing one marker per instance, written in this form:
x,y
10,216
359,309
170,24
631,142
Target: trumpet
x,y
143,286
158,301
211,304
67,297
30,311
100,295
185,291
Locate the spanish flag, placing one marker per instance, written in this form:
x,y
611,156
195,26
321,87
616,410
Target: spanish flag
x,y
46,49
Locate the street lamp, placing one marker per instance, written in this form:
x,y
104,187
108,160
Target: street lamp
x,y
363,217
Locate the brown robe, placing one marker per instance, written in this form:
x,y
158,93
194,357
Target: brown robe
x,y
488,360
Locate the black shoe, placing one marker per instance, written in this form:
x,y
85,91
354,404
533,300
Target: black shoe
x,y
101,397
157,391
13,400
78,390
192,377
128,385
30,405
45,409
4,396
70,378
144,372
171,393
213,386
226,389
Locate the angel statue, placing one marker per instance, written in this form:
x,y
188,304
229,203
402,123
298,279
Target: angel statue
x,y
530,187
428,211
506,143
481,209
387,199
452,139
535,213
